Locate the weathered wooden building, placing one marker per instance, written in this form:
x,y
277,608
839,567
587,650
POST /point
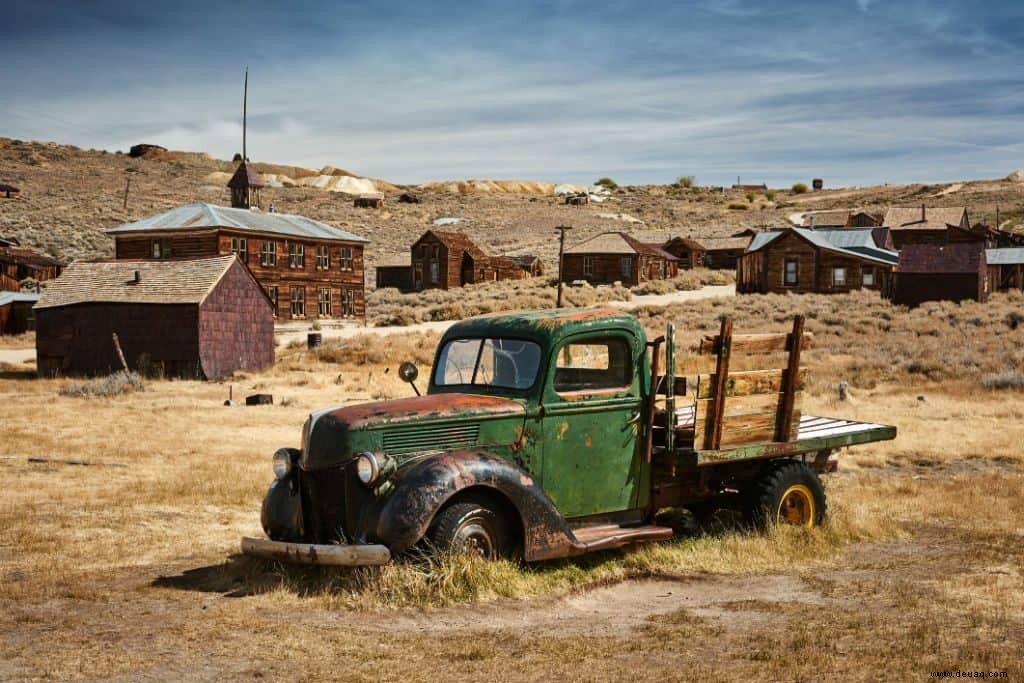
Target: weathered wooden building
x,y
9,192
722,253
16,315
446,259
1005,269
924,225
394,275
530,264
369,201
617,257
194,318
308,268
690,252
820,261
941,272
20,263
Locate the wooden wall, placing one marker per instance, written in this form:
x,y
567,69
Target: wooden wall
x,y
1003,278
399,277
913,289
606,269
449,264
236,326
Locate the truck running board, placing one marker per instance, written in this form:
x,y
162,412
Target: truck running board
x,y
611,536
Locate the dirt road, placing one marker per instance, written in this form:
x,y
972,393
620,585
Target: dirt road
x,y
17,356
287,334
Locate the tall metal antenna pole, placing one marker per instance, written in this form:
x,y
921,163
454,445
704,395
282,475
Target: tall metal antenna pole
x,y
245,107
561,251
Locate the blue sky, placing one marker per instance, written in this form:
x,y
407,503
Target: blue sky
x,y
854,91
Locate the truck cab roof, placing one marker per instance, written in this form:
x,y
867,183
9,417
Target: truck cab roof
x,y
546,326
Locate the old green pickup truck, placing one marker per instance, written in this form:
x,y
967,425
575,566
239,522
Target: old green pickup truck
x,y
547,434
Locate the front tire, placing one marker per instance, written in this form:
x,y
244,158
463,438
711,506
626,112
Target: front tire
x,y
789,492
469,528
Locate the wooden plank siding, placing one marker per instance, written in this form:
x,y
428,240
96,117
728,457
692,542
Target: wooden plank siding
x,y
280,275
606,269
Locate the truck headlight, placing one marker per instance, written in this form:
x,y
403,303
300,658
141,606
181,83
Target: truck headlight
x,y
367,468
282,463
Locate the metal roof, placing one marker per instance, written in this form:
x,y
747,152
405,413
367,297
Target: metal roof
x,y
1006,256
858,243
160,282
201,216
14,297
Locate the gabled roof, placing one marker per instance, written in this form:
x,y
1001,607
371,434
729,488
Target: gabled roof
x,y
691,244
205,216
723,243
26,257
618,243
526,260
455,241
1005,256
160,282
18,297
856,242
833,218
8,188
944,259
245,177
934,218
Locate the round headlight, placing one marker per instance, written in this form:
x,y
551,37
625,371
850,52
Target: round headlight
x,y
367,468
282,463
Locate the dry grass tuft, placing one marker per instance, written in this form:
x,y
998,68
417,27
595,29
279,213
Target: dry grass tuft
x,y
124,382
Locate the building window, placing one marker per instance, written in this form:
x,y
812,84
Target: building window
x,y
790,276
268,253
160,248
323,258
345,258
348,303
323,302
839,277
588,265
240,248
296,255
437,251
435,272
626,266
272,293
869,276
298,302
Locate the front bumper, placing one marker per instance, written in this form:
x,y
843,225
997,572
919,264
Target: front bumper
x,y
308,553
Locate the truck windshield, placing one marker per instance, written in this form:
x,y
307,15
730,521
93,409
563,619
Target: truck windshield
x,y
505,363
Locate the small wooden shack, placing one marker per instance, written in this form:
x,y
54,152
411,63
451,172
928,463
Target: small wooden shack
x,y
16,316
446,259
20,263
1005,269
690,252
577,199
531,265
928,225
722,253
394,275
369,201
197,318
941,272
617,257
9,192
820,261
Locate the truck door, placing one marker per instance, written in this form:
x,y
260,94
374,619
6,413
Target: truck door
x,y
591,424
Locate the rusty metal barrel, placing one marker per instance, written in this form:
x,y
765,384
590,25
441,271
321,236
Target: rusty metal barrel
x,y
314,339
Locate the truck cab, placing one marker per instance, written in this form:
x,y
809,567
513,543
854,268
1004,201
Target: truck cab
x,y
540,435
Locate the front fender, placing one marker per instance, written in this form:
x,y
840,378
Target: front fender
x,y
422,488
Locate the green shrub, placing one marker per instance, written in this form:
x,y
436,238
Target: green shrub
x,y
607,182
770,195
686,181
736,206
799,188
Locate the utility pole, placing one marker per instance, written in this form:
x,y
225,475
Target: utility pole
x,y
561,257
127,186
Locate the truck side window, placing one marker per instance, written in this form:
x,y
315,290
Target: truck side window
x,y
593,364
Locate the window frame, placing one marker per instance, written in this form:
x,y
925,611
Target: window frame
x,y
588,265
486,388
300,300
867,276
346,260
796,272
606,339
323,257
348,303
160,248
272,295
296,255
626,266
268,253
836,281
240,248
435,272
323,303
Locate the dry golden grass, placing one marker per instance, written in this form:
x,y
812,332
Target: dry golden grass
x,y
125,566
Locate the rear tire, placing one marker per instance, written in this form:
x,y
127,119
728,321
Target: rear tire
x,y
470,528
788,492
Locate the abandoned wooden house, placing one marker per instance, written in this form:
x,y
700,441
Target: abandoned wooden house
x,y
9,192
722,253
18,264
16,315
530,264
928,225
396,274
308,268
577,199
941,272
369,201
195,318
617,257
840,218
1005,269
443,259
821,261
690,252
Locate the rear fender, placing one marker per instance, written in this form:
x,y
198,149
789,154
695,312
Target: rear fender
x,y
419,490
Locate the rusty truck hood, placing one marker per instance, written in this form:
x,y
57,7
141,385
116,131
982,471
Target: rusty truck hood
x,y
421,410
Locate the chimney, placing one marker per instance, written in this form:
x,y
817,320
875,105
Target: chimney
x,y
138,277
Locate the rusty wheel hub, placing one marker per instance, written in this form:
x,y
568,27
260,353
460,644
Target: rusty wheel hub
x,y
797,506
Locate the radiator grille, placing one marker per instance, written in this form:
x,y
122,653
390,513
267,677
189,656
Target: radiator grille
x,y
427,439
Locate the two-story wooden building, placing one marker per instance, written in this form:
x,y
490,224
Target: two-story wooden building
x,y
822,261
309,269
617,257
446,259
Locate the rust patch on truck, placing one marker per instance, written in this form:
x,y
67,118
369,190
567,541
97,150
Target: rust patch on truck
x,y
419,409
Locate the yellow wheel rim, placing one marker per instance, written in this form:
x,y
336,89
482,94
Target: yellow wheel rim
x,y
797,507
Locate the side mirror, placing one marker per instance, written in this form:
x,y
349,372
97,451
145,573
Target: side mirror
x,y
408,372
